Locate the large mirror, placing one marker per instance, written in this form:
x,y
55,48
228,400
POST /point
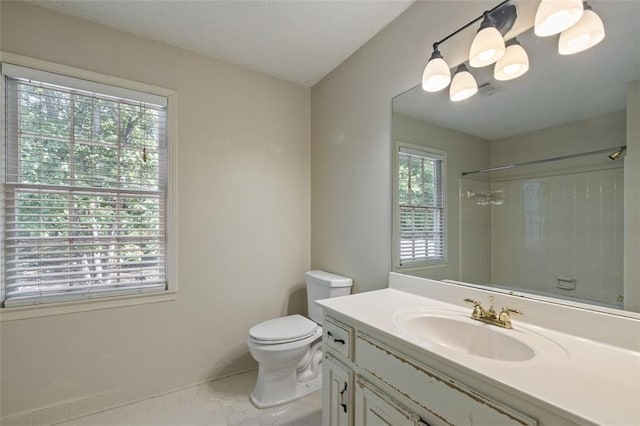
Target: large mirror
x,y
552,229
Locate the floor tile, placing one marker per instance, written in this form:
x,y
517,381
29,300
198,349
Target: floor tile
x,y
221,403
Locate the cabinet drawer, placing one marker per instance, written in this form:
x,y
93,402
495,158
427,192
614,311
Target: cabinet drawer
x,y
338,336
443,400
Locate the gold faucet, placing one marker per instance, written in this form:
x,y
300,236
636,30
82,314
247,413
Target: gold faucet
x,y
489,316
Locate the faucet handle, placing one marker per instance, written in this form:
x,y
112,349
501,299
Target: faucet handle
x,y
505,316
478,311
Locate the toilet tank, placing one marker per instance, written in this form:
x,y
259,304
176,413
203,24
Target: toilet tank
x,y
323,285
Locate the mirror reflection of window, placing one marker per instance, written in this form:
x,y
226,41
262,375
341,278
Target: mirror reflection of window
x,y
421,229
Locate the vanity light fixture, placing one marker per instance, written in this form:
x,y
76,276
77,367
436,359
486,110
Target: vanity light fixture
x,y
513,64
555,16
436,74
463,85
586,33
487,47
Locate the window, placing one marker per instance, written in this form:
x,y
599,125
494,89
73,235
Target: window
x,y
85,189
420,215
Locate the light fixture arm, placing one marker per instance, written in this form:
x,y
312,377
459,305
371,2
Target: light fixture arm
x,y
485,14
512,42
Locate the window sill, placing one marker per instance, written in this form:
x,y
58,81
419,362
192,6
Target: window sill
x,y
62,308
421,266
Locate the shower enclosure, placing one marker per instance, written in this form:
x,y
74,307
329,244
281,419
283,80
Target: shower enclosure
x,y
555,227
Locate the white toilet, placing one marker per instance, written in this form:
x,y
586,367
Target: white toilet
x,y
289,349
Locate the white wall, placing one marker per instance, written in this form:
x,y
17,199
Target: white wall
x,y
244,231
351,135
464,152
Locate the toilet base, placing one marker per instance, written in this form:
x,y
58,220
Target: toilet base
x,y
302,389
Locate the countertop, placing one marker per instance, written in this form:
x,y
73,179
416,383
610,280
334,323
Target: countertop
x,y
581,379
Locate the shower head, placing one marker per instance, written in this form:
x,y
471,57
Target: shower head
x,y
617,153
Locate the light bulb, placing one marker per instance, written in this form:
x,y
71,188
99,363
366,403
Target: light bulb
x,y
437,74
555,16
487,46
513,64
588,32
579,42
463,85
486,55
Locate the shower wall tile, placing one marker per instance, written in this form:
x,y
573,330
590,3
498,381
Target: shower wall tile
x,y
567,226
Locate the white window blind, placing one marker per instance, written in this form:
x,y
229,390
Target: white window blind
x,y
421,207
84,191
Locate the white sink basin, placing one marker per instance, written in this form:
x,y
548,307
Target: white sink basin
x,y
471,337
455,332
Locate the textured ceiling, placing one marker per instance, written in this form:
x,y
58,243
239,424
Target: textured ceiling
x,y
299,41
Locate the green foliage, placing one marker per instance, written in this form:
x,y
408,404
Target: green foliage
x,y
78,140
417,180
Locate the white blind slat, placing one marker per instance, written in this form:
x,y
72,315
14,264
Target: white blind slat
x,y
91,293
46,246
69,286
84,198
78,265
102,278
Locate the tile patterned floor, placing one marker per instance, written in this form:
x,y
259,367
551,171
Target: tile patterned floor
x,y
221,403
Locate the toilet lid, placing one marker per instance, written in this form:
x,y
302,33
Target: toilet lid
x,y
284,329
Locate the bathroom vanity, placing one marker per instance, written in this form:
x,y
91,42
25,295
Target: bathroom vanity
x,y
411,355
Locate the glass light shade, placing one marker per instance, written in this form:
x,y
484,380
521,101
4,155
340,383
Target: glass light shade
x,y
588,32
463,85
555,16
437,75
513,64
487,47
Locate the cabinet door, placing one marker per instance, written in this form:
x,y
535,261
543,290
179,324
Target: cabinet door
x,y
375,408
337,393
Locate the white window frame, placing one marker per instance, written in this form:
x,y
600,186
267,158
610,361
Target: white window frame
x,y
30,311
424,264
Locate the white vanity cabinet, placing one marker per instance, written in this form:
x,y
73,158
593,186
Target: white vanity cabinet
x,y
349,399
368,381
410,355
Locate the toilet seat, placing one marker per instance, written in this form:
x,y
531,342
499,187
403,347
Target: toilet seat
x,y
283,330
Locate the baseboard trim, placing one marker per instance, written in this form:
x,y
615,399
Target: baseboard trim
x,y
92,404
